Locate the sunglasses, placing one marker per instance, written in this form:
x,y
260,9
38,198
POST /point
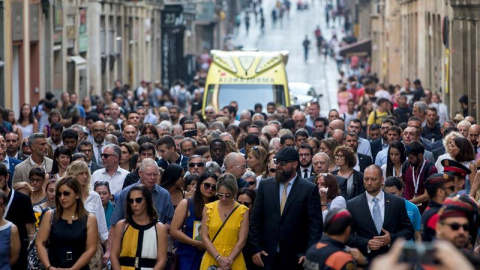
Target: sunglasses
x,y
138,200
224,195
208,186
247,204
256,149
455,226
281,162
105,156
198,164
65,194
251,183
272,170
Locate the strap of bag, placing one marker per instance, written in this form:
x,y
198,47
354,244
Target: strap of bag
x,y
184,227
223,224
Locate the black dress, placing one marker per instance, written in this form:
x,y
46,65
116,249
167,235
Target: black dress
x,y
67,242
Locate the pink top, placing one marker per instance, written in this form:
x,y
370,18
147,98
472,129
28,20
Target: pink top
x,y
342,101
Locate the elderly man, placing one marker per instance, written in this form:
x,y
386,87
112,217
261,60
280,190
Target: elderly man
x,y
38,158
149,176
112,172
196,165
463,127
146,150
411,134
187,147
419,110
301,122
99,132
473,135
236,165
335,124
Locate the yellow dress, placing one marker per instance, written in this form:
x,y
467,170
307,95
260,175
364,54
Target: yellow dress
x,y
227,238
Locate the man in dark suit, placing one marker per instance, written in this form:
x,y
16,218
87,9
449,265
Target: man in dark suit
x,y
86,147
382,142
10,163
320,163
363,161
13,146
379,218
305,154
286,218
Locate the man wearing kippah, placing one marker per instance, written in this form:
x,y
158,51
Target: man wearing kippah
x,y
330,252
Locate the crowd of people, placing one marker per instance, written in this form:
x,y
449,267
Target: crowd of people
x,y
156,184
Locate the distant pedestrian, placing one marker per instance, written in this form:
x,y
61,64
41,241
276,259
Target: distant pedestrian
x,y
262,25
274,17
247,22
306,45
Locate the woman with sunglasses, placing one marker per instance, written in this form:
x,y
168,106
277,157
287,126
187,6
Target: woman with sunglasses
x,y
251,179
257,160
93,204
329,193
9,237
224,246
37,178
186,223
395,159
172,181
70,231
141,220
61,159
103,189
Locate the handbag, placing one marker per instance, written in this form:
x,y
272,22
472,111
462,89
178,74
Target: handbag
x,y
34,262
214,267
172,257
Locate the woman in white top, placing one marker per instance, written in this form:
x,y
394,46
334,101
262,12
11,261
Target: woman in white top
x,y
93,204
27,122
329,193
395,159
461,150
446,141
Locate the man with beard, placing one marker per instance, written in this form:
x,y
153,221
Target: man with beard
x,y
431,131
363,161
38,158
20,212
381,143
415,173
286,218
305,153
473,135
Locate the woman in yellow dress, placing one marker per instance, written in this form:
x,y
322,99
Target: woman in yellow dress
x,y
224,246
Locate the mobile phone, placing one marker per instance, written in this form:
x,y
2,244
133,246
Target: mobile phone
x,y
191,133
418,254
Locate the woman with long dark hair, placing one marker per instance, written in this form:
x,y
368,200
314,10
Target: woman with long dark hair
x,y
150,131
141,220
9,116
70,231
395,159
127,152
330,197
186,222
61,159
27,122
172,181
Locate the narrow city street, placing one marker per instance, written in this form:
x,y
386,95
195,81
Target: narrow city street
x,y
289,35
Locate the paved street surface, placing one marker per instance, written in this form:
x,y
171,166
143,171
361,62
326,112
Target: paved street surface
x,y
289,35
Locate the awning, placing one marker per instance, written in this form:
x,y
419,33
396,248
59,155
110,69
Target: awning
x,y
362,49
77,59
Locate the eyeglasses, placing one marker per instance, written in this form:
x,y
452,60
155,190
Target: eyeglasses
x,y
251,183
65,194
281,162
105,156
242,166
138,200
224,195
198,164
272,170
456,226
208,186
247,204
256,149
208,112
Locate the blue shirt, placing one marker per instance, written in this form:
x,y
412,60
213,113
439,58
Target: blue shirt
x,y
289,188
414,215
161,200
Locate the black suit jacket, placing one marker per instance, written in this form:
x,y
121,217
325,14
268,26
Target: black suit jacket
x,y
376,146
95,166
358,187
396,222
364,161
299,227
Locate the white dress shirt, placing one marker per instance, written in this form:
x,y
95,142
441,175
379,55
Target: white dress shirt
x,y
289,188
381,203
93,204
364,147
115,181
309,171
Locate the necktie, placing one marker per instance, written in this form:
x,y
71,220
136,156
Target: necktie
x,y
284,198
99,156
377,216
305,173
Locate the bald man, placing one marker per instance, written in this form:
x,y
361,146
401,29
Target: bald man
x,y
235,164
335,124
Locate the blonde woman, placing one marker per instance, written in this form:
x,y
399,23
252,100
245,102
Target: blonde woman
x,y
257,160
93,204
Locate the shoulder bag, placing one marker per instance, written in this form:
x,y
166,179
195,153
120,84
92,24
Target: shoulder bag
x,y
34,262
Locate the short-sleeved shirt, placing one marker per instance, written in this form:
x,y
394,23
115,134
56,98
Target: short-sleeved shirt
x,y
115,181
376,117
414,215
69,112
161,200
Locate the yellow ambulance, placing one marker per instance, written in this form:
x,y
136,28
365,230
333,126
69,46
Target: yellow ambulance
x,y
247,77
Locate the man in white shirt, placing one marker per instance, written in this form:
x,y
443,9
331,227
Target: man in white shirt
x,y
442,108
112,172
